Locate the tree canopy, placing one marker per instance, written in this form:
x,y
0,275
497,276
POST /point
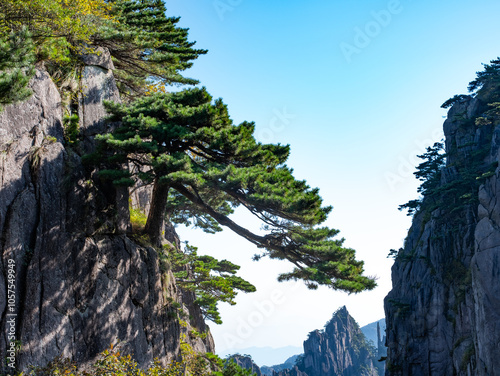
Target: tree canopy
x,y
201,165
211,280
148,49
429,173
59,28
199,162
490,75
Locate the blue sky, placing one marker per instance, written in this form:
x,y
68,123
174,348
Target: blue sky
x,y
355,122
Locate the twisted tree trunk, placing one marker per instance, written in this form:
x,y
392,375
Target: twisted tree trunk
x,y
156,216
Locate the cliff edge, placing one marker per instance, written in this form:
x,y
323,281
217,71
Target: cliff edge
x,y
443,313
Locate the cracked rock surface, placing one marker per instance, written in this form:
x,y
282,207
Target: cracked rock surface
x,y
81,283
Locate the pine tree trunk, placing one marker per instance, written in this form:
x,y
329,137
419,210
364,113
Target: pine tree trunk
x,y
156,216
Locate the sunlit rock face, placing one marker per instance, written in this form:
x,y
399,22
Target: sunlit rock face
x,y
443,313
338,350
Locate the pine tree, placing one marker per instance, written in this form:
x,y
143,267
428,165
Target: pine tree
x,y
148,49
53,32
211,280
16,67
199,162
470,169
429,173
489,76
58,28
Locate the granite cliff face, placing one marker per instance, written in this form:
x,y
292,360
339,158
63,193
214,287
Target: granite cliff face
x,y
80,282
340,349
443,313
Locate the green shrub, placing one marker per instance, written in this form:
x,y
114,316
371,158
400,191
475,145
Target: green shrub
x,y
137,219
112,362
71,128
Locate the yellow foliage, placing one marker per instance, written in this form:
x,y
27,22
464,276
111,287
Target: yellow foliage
x,y
55,25
155,88
53,18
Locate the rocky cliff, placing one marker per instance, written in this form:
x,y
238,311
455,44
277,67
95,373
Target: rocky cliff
x,y
246,362
443,313
80,282
340,349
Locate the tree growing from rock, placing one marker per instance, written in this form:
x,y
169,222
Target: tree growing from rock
x,y
202,167
211,280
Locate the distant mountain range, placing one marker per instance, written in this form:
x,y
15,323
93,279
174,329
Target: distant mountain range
x,y
289,363
341,348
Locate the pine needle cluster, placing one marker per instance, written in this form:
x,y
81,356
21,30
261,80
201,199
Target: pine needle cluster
x,y
199,162
16,66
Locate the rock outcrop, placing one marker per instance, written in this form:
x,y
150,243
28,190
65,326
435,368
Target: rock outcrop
x,y
340,349
246,362
80,282
381,349
443,313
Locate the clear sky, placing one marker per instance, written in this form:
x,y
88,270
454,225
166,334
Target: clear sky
x,y
355,88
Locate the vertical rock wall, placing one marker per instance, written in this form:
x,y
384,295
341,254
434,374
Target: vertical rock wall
x,y
443,313
81,283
